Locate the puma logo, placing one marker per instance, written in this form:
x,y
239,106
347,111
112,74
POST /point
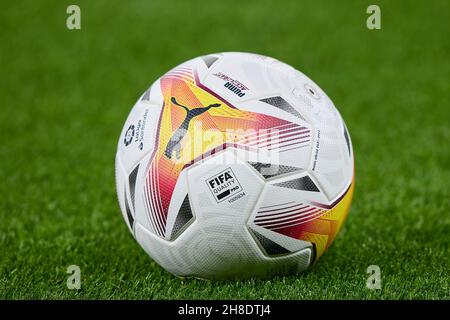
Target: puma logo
x,y
174,143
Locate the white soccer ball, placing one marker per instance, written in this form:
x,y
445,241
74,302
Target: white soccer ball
x,y
234,165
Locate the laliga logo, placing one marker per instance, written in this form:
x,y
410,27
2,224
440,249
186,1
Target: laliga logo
x,y
129,135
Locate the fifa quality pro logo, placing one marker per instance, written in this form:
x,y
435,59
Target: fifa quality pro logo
x,y
174,143
223,185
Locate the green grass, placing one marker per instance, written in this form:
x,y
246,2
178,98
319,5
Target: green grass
x,y
64,96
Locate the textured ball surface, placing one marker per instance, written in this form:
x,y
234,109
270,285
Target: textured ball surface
x,y
234,165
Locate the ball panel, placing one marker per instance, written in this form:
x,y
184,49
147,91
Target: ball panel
x,y
140,207
300,212
224,183
290,244
180,212
153,95
330,163
121,178
323,230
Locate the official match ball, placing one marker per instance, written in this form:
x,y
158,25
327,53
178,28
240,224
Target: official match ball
x,y
234,165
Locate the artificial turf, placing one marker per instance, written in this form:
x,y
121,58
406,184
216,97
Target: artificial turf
x,y
64,96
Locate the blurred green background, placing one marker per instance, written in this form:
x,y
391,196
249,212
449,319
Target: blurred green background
x,y
65,94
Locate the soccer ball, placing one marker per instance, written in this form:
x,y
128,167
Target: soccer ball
x,y
234,165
